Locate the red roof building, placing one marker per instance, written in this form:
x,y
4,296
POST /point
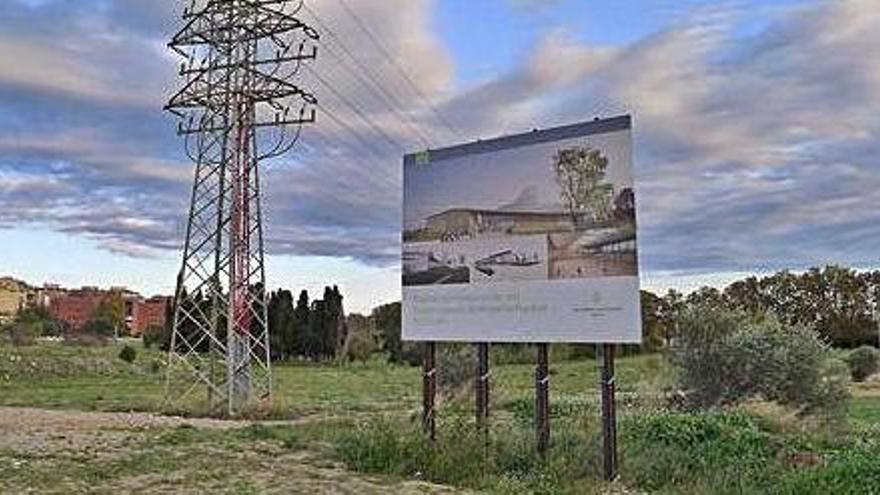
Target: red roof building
x,y
76,308
147,313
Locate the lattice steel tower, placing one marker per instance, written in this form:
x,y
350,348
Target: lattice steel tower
x,y
238,106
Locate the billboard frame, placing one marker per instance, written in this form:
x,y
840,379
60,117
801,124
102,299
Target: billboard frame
x,y
598,284
606,350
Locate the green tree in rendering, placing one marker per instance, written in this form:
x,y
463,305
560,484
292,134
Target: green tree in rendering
x,y
580,173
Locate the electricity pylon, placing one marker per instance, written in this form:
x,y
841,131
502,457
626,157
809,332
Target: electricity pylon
x,y
238,106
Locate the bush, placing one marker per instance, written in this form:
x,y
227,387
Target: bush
x,y
666,449
98,328
461,457
863,362
128,354
410,353
456,366
726,357
360,344
154,335
512,354
24,334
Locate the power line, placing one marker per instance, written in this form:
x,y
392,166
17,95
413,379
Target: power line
x,y
401,116
378,162
354,108
366,75
400,69
347,128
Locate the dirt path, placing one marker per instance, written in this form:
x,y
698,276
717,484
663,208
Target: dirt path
x,y
46,451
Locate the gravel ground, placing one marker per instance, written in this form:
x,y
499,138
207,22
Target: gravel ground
x,y
47,451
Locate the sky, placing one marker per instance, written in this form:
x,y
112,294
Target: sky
x,y
755,129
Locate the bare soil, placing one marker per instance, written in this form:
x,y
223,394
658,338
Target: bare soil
x,y
47,451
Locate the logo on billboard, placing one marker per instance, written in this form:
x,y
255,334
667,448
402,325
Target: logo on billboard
x,y
423,157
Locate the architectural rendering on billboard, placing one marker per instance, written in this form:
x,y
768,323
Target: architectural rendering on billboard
x,y
527,238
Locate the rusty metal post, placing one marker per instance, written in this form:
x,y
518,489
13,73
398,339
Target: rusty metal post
x,y
481,386
542,399
481,392
429,390
609,414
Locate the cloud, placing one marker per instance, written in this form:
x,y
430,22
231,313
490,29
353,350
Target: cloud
x,y
84,110
753,149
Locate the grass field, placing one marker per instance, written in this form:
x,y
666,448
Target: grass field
x,y
94,379
352,428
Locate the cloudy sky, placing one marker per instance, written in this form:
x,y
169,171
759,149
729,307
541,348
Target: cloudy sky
x,y
755,121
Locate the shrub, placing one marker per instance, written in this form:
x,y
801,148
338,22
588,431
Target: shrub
x,y
462,458
98,328
456,366
863,362
154,335
666,449
360,345
24,334
726,357
41,321
128,354
412,353
512,354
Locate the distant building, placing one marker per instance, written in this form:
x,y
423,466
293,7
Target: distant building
x,y
147,313
13,297
43,296
464,222
75,308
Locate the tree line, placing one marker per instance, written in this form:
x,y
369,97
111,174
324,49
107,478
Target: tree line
x,y
313,330
307,329
840,303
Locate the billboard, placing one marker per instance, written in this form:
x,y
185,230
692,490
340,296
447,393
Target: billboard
x,y
526,238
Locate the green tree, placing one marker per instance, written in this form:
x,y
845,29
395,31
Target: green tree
x,y
317,329
303,340
580,174
360,340
154,335
654,325
839,303
164,339
706,297
281,325
386,319
39,320
672,306
112,311
863,362
333,331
